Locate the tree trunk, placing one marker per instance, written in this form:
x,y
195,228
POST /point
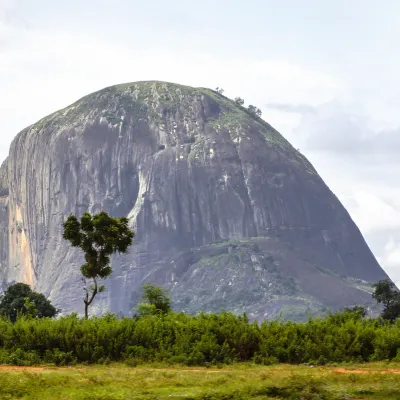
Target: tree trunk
x,y
88,301
86,310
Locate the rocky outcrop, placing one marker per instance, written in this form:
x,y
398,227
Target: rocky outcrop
x,y
227,213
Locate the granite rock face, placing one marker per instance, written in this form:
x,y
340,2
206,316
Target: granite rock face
x,y
3,219
227,213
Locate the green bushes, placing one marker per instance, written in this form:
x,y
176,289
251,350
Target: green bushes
x,y
204,339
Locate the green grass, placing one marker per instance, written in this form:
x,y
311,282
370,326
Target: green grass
x,y
245,381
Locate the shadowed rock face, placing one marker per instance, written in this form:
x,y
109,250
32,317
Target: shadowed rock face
x,y
227,213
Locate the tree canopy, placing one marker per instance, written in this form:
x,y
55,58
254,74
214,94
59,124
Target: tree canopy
x,y
155,300
98,236
239,101
254,110
20,299
386,293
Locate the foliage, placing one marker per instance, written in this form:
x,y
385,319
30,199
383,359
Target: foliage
x,y
254,110
219,90
239,101
98,236
358,311
155,300
387,294
20,299
30,309
203,339
145,309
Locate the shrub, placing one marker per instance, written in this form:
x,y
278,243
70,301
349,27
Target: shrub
x,y
204,339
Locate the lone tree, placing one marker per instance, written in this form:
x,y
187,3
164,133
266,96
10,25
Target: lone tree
x,y
387,294
155,300
219,90
239,101
254,110
20,299
98,236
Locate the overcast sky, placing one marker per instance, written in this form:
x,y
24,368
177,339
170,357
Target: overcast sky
x,y
324,73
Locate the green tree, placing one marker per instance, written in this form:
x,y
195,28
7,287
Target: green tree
x,y
155,300
387,294
20,299
98,236
239,101
254,110
219,90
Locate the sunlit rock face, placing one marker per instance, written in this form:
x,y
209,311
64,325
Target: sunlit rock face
x,y
228,214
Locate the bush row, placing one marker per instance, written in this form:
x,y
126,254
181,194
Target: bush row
x,y
197,340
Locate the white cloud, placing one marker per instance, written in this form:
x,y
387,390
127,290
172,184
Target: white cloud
x,y
372,214
359,161
42,73
390,258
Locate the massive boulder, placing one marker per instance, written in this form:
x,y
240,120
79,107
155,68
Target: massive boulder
x,y
228,214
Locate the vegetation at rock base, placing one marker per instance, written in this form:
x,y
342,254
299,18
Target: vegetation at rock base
x,y
98,236
20,299
204,339
158,334
151,355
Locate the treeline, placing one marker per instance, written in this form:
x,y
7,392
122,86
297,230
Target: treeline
x,y
205,339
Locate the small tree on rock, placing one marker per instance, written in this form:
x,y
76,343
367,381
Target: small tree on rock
x,y
254,110
239,101
98,236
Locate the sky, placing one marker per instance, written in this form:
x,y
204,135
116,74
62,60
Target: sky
x,y
324,73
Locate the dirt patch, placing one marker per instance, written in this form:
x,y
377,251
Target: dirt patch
x,y
367,371
15,368
39,369
207,371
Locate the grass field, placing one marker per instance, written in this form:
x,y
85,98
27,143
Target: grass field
x,y
117,382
